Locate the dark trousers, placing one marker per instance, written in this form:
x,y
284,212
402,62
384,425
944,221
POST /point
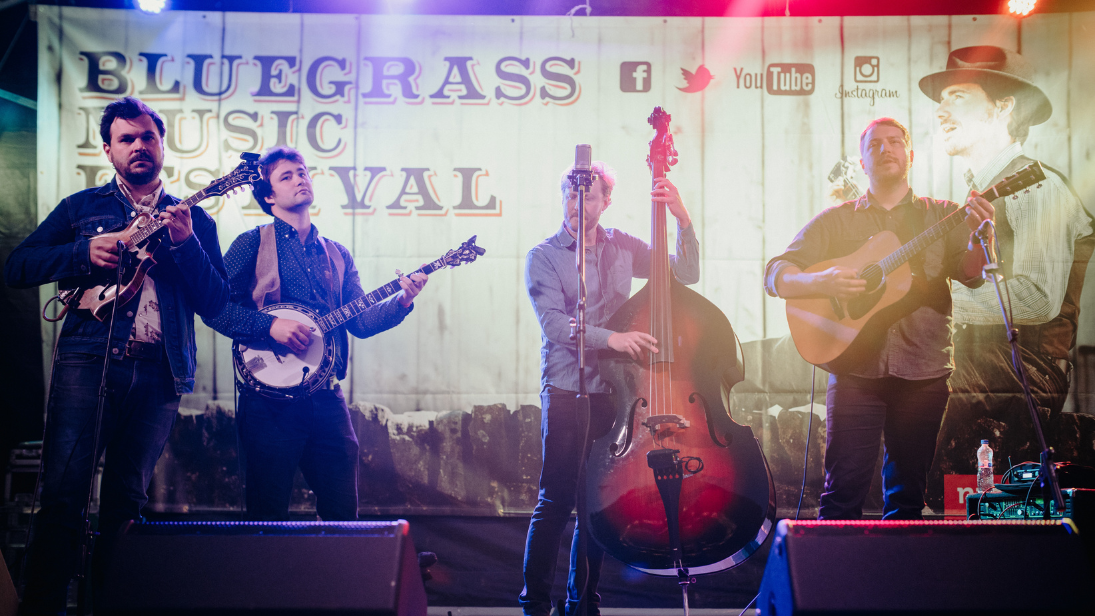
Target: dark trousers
x,y
859,412
139,413
313,433
561,432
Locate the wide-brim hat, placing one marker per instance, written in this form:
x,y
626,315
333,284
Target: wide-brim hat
x,y
986,63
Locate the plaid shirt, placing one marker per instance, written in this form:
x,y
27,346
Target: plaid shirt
x,y
1047,222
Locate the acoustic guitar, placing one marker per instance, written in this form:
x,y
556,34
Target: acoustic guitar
x,y
836,334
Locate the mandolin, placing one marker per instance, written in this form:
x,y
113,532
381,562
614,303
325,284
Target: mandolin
x,y
141,238
835,334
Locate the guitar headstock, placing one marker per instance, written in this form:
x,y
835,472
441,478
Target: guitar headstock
x,y
842,182
245,174
662,153
1020,180
466,253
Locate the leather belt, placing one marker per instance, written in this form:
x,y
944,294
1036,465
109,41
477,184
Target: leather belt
x,y
148,351
552,390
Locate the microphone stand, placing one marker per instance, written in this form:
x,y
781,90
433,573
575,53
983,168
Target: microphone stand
x,y
582,180
87,542
1047,477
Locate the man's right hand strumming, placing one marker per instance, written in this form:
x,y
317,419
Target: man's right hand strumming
x,y
632,343
293,334
103,252
838,281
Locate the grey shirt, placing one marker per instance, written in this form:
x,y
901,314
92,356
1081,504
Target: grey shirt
x,y
551,277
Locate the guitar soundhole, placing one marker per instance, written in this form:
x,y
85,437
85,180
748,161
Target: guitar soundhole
x,y
860,305
873,275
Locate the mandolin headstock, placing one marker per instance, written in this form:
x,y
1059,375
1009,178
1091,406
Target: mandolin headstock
x,y
245,174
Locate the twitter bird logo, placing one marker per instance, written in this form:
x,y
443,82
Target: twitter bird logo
x,y
696,81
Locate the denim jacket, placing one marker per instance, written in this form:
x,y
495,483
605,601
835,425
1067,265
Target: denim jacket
x,y
190,278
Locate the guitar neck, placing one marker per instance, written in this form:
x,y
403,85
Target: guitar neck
x,y
340,316
922,241
852,191
147,231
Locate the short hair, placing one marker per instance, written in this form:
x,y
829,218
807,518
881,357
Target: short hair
x,y
128,108
270,159
1019,121
606,173
886,122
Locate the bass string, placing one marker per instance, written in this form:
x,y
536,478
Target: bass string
x,y
661,372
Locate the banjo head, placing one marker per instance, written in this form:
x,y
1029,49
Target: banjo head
x,y
266,365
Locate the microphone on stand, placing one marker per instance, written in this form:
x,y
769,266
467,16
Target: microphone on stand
x,y
582,176
580,181
583,157
983,233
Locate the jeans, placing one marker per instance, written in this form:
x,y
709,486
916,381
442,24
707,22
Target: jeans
x,y
313,433
858,412
140,410
561,433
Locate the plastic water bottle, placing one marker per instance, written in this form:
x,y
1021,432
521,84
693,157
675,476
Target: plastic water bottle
x,y
984,467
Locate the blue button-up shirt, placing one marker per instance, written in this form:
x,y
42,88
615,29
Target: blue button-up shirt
x,y
551,277
189,277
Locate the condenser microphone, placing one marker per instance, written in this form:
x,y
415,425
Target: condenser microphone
x,y
583,157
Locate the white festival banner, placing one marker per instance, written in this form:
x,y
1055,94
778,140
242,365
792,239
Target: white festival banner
x,y
421,131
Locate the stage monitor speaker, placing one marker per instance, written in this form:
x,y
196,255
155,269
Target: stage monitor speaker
x,y
264,569
926,568
9,601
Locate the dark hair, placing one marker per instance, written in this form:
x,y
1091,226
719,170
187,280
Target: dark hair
x,y
127,108
270,159
1019,121
886,122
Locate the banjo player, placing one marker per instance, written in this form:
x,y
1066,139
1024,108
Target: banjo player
x,y
288,261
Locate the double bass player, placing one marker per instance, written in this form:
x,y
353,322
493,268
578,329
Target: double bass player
x,y
613,258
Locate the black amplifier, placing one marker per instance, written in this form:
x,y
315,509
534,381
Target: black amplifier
x,y
1026,504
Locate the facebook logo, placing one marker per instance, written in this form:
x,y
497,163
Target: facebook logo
x,y
634,76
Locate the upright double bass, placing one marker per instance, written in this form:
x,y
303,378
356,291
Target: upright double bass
x,y
672,429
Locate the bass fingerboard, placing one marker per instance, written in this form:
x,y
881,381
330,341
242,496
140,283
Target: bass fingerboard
x,y
338,317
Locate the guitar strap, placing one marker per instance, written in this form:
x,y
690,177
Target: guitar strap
x,y
266,285
335,257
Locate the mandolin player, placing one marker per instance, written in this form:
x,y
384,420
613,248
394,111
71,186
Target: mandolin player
x,y
899,388
151,347
287,261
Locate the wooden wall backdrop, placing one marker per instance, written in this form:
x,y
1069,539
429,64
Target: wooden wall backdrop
x,y
752,171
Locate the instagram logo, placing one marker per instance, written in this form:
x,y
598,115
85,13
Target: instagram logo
x,y
866,69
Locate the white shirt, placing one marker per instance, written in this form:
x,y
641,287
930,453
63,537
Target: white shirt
x,y
1047,221
146,320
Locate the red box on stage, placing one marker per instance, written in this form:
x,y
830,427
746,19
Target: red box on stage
x,y
955,490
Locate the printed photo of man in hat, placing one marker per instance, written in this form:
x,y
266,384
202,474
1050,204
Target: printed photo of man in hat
x,y
987,105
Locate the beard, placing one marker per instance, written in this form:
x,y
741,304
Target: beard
x,y
138,178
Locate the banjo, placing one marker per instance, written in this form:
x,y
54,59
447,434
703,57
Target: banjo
x,y
272,370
